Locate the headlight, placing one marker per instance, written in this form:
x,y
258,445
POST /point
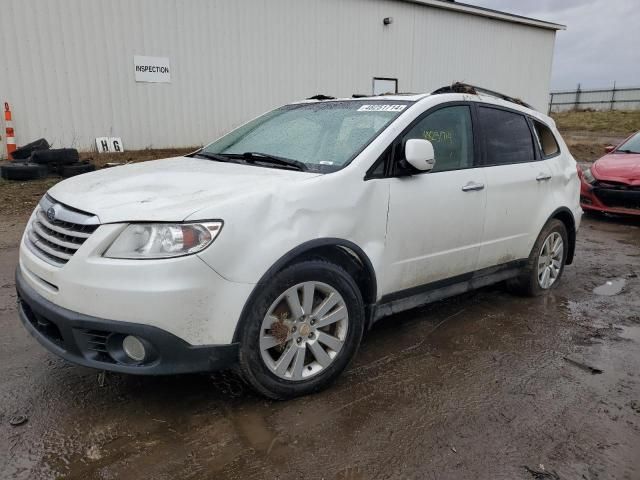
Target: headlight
x,y
588,176
163,240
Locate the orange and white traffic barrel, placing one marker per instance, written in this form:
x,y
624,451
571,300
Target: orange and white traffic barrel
x,y
10,134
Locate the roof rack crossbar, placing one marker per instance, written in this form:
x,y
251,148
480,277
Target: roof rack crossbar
x,y
459,87
320,97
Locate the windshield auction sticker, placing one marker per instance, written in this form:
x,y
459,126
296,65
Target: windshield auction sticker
x,y
382,108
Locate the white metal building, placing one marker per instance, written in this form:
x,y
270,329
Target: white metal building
x,y
67,66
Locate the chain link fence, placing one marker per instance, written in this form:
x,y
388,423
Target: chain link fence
x,y
595,99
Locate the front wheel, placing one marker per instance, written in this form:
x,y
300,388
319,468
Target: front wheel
x,y
546,261
302,330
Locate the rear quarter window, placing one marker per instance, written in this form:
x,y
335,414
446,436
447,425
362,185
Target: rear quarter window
x,y
507,137
546,139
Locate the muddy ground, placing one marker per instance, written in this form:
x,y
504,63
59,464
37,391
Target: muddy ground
x,y
476,387
588,147
588,132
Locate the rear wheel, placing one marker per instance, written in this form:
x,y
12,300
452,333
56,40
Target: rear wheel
x,y
303,329
546,261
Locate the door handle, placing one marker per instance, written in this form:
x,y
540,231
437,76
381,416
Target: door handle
x,y
473,187
543,177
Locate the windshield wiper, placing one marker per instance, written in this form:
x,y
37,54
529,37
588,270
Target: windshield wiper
x,y
252,157
626,151
213,156
273,159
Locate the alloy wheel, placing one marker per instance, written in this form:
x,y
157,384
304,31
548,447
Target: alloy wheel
x,y
303,331
550,260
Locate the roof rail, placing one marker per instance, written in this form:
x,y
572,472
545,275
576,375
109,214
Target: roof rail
x,y
459,87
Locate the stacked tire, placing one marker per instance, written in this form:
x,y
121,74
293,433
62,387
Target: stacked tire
x,y
62,161
77,168
42,160
21,168
23,153
23,171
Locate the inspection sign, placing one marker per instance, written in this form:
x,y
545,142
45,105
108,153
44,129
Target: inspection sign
x,y
152,69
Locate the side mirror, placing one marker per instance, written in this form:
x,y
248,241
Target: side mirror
x,y
609,149
420,154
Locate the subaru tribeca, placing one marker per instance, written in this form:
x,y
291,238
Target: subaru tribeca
x,y
273,249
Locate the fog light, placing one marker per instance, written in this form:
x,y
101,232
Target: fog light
x,y
134,348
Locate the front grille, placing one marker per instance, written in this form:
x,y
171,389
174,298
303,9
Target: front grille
x,y
56,231
618,195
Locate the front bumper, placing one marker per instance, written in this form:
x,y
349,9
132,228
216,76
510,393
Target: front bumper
x,y
615,200
97,343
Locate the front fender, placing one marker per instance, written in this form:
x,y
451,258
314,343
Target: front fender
x,y
263,228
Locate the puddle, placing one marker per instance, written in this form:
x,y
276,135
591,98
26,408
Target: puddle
x,y
611,287
631,333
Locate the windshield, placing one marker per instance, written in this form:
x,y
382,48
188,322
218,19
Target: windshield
x,y
630,146
325,136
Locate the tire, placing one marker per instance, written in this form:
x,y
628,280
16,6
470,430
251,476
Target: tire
x,y
21,160
23,171
307,370
57,156
24,152
533,282
77,169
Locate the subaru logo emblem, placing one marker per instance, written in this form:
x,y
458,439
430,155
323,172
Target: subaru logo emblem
x,y
51,214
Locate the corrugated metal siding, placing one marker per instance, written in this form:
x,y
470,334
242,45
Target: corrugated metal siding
x,y
67,65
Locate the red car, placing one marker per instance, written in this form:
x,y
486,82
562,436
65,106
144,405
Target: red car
x,y
612,184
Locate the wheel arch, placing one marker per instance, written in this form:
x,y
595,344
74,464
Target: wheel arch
x,y
566,216
339,251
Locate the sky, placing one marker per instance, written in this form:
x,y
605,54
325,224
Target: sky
x,y
600,45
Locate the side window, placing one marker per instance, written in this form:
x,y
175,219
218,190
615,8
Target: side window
x,y
547,141
507,137
450,131
378,169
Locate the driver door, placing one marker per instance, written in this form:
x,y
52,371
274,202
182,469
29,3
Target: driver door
x,y
435,220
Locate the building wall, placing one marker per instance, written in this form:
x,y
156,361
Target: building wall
x,y
67,65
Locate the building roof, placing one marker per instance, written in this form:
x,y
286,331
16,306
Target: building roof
x,y
488,13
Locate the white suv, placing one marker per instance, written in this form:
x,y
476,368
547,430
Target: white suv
x,y
276,247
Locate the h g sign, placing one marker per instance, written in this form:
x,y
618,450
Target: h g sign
x,y
109,145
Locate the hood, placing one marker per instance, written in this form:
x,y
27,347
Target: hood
x,y
167,190
618,167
